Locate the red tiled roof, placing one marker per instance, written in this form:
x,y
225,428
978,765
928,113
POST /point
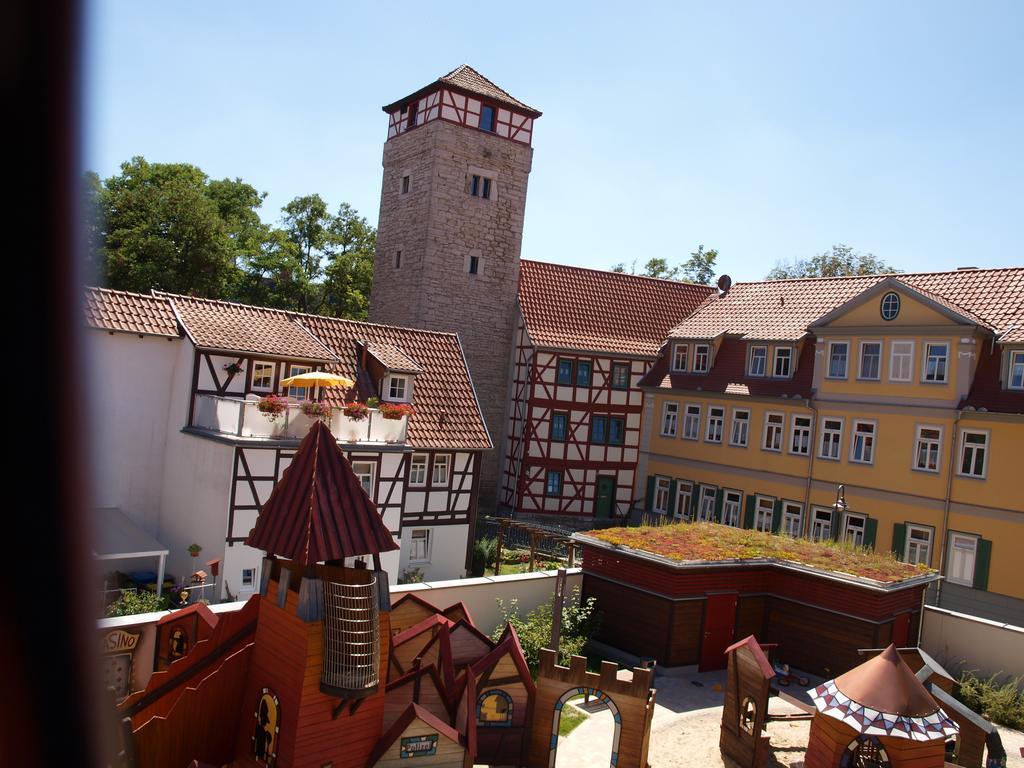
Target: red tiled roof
x,y
319,510
783,309
1013,335
224,325
587,309
728,374
447,412
465,78
129,312
987,390
393,358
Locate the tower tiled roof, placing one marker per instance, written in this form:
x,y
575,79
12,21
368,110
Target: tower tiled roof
x,y
129,312
319,510
784,309
467,79
588,309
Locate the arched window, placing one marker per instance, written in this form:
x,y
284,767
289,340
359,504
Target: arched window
x,y
178,644
748,714
494,708
865,752
268,724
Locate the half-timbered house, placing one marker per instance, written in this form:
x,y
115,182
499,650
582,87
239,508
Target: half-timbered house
x,y
182,446
584,338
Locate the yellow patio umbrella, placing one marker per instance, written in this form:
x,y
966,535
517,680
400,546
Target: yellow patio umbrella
x,y
317,379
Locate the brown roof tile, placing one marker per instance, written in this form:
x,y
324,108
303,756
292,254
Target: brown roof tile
x,y
129,312
225,325
447,412
393,358
576,308
465,78
783,309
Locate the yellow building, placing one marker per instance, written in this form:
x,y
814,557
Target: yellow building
x,y
908,390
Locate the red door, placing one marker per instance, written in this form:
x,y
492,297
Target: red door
x,y
901,630
719,624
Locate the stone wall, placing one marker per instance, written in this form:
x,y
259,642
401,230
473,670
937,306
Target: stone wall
x,y
438,225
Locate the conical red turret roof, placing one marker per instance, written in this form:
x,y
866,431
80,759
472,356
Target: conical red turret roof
x,y
319,510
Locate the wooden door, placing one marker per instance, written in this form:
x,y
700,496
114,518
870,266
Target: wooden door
x,y
719,624
605,497
901,630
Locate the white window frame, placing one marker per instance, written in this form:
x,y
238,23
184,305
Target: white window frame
x,y
821,524
662,488
926,357
791,510
777,357
686,422
256,364
670,409
850,531
853,440
1015,355
445,459
419,553
295,370
401,384
371,475
677,358
709,492
951,574
684,490
987,447
418,464
836,438
248,585
860,359
773,428
697,356
732,507
828,362
807,430
927,546
763,518
764,360
713,419
937,442
745,422
893,368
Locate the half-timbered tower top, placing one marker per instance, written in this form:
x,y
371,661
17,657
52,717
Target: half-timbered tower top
x,y
466,97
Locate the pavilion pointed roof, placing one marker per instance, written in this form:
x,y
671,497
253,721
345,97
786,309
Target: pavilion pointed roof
x,y
319,510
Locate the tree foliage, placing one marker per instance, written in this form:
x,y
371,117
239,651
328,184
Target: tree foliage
x,y
841,260
168,226
580,622
699,268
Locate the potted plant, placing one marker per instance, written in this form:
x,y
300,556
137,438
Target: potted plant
x,y
272,406
396,410
356,411
194,550
316,410
373,402
233,368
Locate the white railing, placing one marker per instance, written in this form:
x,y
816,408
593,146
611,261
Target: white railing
x,y
242,418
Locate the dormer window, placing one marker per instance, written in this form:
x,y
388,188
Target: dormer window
x,y
1015,380
679,354
701,355
397,388
758,360
783,362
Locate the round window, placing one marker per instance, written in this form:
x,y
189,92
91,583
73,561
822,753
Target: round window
x,y
890,305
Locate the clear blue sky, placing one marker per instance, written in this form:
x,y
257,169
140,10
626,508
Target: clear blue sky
x,y
766,130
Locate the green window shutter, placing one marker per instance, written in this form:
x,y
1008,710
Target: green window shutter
x,y
777,516
837,520
672,487
870,530
899,539
719,501
649,500
981,563
748,518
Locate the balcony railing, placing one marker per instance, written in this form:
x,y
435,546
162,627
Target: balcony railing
x,y
241,418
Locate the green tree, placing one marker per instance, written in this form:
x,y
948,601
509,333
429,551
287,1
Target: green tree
x,y
699,268
93,229
349,273
841,260
580,622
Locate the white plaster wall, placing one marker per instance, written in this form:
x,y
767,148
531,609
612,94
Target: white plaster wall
x,y
130,379
958,641
447,551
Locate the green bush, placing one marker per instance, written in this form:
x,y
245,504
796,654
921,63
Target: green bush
x,y
484,552
580,622
131,602
1002,703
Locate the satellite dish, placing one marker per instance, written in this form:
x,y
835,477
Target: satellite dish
x,y
724,284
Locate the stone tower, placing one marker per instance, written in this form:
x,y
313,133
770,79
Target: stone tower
x,y
456,164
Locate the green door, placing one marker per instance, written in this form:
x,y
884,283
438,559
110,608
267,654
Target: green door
x,y
605,497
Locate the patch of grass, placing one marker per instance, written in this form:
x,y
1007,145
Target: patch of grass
x,y
570,719
696,542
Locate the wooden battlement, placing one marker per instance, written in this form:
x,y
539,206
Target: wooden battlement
x,y
576,674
